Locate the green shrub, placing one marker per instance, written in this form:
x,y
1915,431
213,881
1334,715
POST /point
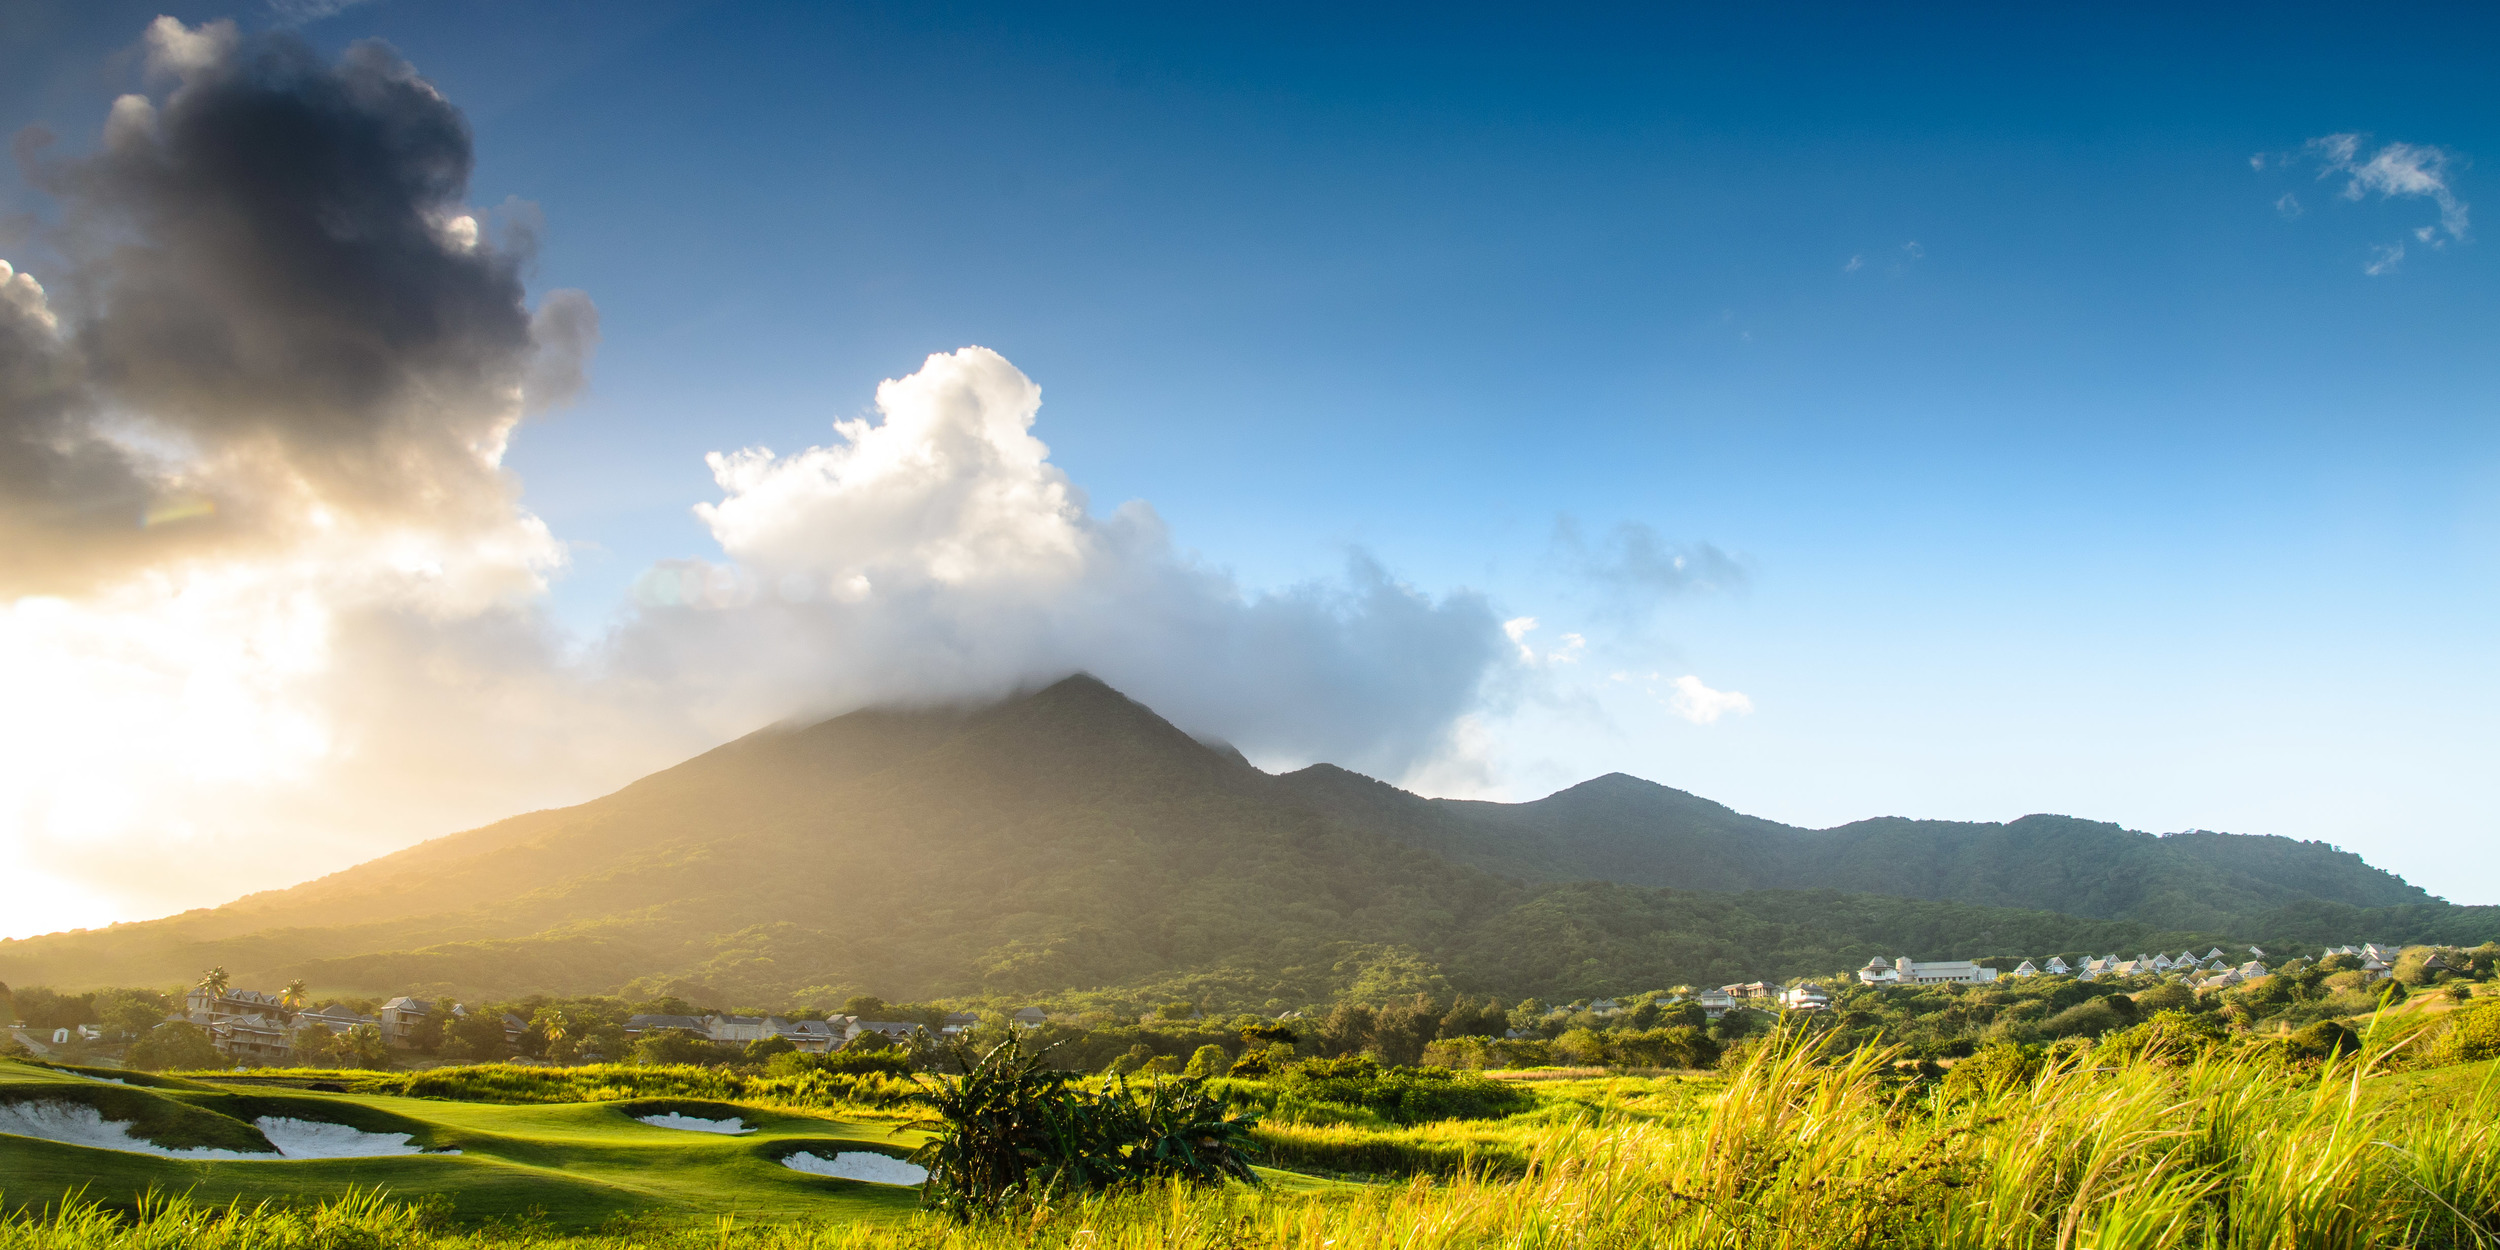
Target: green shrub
x,y
175,1044
1210,1060
2470,1035
1014,1130
1995,1066
2085,1019
666,1047
2324,1039
1323,1090
2171,1036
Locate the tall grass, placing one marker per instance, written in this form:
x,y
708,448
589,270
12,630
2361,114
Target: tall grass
x,y
2220,1151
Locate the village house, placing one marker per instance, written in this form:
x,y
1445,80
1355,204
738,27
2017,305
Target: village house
x,y
400,1018
1715,1003
892,1030
738,1032
204,1009
1806,996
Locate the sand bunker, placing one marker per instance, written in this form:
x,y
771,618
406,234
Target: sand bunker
x,y
312,1139
76,1124
732,1126
860,1165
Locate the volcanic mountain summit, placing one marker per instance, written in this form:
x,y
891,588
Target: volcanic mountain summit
x,y
1070,839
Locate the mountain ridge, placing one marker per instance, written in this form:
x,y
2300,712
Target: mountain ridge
x,y
1070,839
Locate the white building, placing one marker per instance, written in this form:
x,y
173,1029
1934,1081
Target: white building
x,y
1805,996
1906,971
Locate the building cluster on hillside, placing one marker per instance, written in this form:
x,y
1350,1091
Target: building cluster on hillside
x,y
252,1027
2211,970
265,1028
813,1036
1908,971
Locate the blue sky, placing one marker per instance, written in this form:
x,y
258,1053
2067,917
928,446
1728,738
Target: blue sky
x,y
2068,465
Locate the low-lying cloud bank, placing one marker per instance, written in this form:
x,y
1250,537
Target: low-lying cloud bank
x,y
270,604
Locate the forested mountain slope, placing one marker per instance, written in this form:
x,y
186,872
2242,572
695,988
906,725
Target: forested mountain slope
x,y
1070,839
1624,829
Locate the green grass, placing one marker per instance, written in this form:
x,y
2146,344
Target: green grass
x,y
576,1165
2224,1149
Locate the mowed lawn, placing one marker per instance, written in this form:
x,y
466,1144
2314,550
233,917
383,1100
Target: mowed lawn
x,y
576,1165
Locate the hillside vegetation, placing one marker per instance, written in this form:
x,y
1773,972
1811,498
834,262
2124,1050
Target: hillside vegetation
x,y
1070,839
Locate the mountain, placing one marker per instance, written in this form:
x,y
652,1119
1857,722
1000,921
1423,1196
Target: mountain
x,y
1071,840
1624,829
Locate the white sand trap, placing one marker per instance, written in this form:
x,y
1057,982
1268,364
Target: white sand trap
x,y
76,1124
731,1126
860,1165
312,1139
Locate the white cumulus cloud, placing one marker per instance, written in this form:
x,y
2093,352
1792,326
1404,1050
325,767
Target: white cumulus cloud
x,y
937,553
1702,705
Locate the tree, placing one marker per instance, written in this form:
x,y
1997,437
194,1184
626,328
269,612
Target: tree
x,y
1346,1031
130,1013
426,1035
215,981
8,1005
292,997
1210,1060
1268,1033
364,1047
864,1006
662,1047
174,1044
1400,1031
763,1049
314,1047
1582,1046
559,1033
2168,996
480,1034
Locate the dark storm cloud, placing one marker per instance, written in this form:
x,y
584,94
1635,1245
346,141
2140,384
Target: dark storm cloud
x,y
281,305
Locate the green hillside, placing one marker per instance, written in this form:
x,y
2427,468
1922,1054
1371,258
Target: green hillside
x,y
1070,839
1624,829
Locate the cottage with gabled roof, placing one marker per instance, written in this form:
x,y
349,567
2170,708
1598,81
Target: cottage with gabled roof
x,y
1806,996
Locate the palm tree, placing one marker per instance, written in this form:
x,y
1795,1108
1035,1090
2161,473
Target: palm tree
x,y
215,982
292,997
